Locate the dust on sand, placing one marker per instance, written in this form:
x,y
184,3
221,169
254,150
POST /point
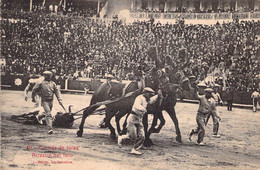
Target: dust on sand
x,y
29,147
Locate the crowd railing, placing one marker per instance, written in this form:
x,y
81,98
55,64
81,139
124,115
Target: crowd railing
x,y
103,20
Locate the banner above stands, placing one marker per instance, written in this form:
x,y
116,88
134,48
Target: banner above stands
x,y
196,16
240,15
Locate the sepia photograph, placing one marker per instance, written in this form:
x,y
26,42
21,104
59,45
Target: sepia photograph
x,y
130,84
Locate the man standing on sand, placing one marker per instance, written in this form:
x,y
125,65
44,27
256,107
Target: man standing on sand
x,y
207,105
215,115
135,128
47,88
230,97
36,98
255,95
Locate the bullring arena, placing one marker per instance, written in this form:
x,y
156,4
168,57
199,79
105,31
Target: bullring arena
x,y
115,52
24,146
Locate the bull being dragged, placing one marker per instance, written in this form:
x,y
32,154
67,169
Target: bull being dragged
x,y
37,117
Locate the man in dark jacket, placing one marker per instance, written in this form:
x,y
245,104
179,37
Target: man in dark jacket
x,y
230,97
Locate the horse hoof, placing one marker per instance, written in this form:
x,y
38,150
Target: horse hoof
x,y
79,133
113,136
178,139
148,143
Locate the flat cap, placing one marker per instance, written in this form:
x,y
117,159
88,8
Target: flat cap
x,y
148,89
209,90
109,76
47,73
192,77
217,85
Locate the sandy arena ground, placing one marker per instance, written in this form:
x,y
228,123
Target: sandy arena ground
x,y
21,145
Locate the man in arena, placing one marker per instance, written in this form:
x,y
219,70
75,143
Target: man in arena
x,y
230,98
215,115
207,106
35,98
255,96
48,88
135,128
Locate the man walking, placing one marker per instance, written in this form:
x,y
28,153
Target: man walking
x,y
215,115
207,105
47,89
135,128
36,98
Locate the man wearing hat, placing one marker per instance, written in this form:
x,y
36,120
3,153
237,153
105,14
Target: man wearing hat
x,y
135,128
207,105
47,88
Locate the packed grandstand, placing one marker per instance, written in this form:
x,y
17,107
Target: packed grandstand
x,y
77,45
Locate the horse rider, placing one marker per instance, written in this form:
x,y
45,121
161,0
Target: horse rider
x,y
215,115
48,88
35,98
207,106
135,128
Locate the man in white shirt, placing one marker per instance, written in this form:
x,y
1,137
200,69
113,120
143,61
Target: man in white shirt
x,y
135,128
215,115
35,98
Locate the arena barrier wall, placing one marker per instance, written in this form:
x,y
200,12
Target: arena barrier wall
x,y
19,82
14,82
240,97
80,84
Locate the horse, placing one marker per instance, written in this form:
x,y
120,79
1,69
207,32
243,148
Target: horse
x,y
169,91
113,90
121,107
107,91
164,82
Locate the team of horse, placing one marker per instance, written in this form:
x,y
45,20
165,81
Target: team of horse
x,y
167,82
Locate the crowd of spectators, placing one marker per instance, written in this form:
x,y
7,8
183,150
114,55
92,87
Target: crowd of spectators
x,y
70,10
80,47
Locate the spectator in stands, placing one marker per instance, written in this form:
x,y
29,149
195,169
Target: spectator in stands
x,y
120,49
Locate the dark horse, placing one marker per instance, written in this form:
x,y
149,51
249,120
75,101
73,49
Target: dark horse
x,y
110,90
107,91
168,85
163,81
